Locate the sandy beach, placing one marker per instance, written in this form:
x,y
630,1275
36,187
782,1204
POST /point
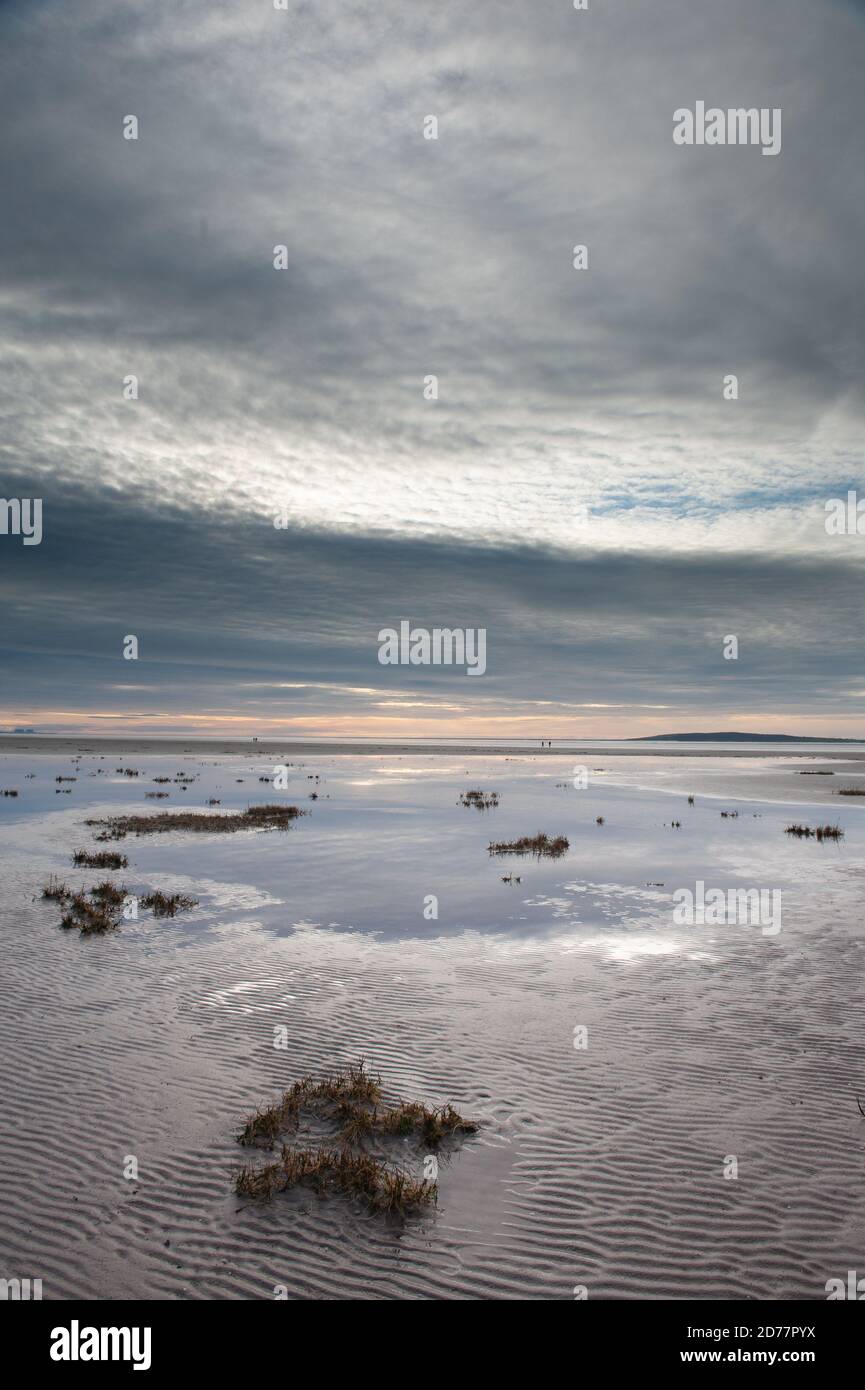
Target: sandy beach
x,y
598,1166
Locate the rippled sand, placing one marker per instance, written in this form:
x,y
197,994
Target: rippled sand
x,y
600,1167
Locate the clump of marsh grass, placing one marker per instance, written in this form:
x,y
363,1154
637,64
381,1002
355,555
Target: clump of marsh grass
x,y
93,914
167,904
89,917
100,859
482,801
269,817
354,1086
155,796
128,771
815,772
382,1187
541,846
729,815
56,889
162,779
819,832
8,791
65,779
351,1101
108,893
850,791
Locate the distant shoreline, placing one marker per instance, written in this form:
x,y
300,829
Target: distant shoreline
x,y
49,743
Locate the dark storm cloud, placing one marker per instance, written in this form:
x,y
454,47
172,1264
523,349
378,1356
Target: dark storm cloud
x,y
408,257
221,608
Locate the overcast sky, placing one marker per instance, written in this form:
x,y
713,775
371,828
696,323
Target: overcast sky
x,y
580,488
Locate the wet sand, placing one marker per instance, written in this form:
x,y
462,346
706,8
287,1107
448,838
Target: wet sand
x,y
600,1167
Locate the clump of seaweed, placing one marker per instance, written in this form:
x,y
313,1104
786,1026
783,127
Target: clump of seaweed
x,y
541,846
167,904
819,832
351,1100
100,859
269,817
482,801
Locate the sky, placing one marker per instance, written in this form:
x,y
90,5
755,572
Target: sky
x,y
580,488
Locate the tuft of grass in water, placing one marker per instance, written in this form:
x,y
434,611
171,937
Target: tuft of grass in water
x,y
482,801
430,1125
815,772
382,1187
167,904
541,846
8,791
100,859
850,791
56,889
729,815
819,832
108,893
89,917
155,796
65,779
268,817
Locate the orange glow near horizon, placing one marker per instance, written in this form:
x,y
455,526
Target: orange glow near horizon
x,y
609,723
